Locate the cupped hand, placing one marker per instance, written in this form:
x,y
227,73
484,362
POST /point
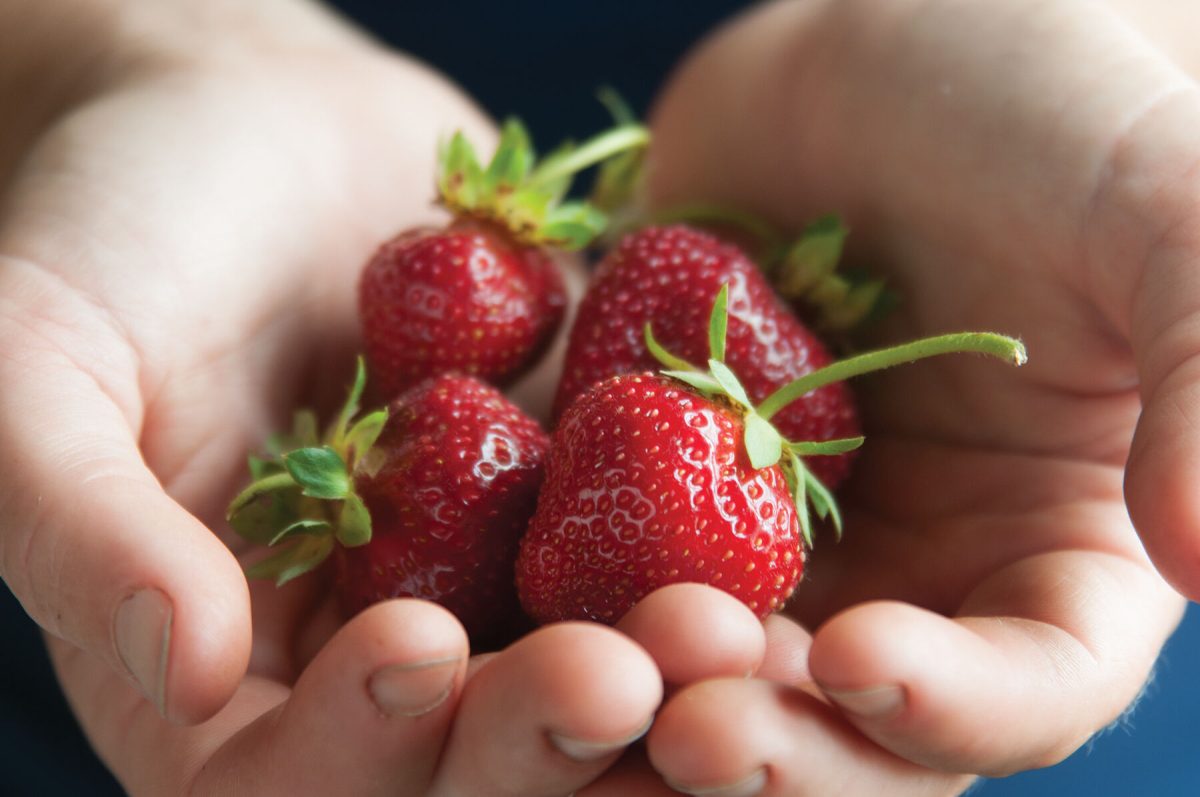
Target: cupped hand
x,y
178,257
1019,167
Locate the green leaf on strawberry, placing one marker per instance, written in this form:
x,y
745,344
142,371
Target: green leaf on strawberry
x,y
303,557
304,498
354,522
763,443
309,527
320,472
524,196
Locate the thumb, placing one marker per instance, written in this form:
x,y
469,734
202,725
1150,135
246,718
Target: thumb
x,y
1162,480
96,552
1151,198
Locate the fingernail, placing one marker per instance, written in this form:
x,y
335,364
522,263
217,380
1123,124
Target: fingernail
x,y
142,631
583,750
410,690
877,702
746,787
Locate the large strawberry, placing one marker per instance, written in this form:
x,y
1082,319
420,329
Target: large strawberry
x,y
425,499
482,295
669,275
655,479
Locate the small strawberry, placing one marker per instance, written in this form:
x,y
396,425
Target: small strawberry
x,y
660,479
668,275
482,295
427,499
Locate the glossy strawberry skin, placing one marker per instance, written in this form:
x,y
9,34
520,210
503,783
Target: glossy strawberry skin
x,y
454,480
649,484
465,298
669,276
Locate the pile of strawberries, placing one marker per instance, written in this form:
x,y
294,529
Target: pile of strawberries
x,y
700,427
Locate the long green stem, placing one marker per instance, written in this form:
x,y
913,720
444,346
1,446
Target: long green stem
x,y
999,346
600,148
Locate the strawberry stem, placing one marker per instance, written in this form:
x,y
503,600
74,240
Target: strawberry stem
x,y
999,346
598,149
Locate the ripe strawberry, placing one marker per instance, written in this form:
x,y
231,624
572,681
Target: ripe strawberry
x,y
427,498
482,295
648,483
465,297
659,479
668,276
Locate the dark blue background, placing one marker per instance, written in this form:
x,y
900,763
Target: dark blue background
x,y
543,61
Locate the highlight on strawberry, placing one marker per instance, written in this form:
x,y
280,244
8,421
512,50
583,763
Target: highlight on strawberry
x,y
676,476
483,295
426,498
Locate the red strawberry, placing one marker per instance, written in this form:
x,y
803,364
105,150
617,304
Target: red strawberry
x,y
466,298
648,484
668,276
659,479
428,499
482,295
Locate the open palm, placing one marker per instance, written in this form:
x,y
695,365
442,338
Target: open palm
x,y
991,605
178,259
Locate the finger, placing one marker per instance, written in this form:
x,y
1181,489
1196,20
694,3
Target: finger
x,y
1145,241
786,657
1047,652
368,717
550,713
694,632
740,738
1164,463
94,549
1164,460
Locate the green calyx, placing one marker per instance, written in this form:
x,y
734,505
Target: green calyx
x,y
525,196
302,497
765,445
806,270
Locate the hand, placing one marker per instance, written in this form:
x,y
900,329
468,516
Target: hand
x,y
1020,167
178,254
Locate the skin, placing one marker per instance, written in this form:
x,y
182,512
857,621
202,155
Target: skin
x,y
989,569
152,336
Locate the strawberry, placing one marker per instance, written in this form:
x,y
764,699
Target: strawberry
x,y
648,484
427,499
658,479
481,295
668,275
